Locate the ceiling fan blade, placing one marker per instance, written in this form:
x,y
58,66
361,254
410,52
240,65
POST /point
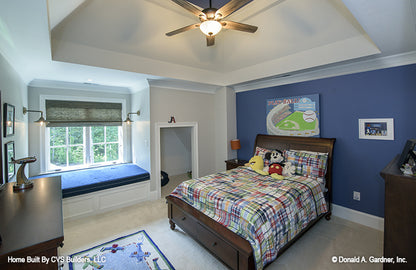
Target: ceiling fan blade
x,y
210,40
183,29
231,6
239,26
190,7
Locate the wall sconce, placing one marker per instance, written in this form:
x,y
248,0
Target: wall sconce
x,y
235,145
41,120
128,121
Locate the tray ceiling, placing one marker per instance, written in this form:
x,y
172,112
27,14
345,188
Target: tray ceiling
x,y
130,35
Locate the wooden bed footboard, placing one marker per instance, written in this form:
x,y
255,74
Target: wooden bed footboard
x,y
233,250
229,247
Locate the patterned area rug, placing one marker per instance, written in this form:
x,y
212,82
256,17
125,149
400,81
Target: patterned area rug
x,y
134,251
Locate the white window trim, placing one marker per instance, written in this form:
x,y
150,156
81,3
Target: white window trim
x,y
44,150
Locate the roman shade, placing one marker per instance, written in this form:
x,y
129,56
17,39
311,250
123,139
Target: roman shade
x,y
63,113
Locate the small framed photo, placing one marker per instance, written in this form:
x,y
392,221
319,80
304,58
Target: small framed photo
x,y
376,129
408,155
9,119
10,167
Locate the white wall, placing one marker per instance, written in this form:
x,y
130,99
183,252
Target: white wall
x,y
225,126
215,114
37,94
140,128
175,150
185,106
14,91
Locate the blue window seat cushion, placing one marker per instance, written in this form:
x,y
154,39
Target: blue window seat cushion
x,y
94,179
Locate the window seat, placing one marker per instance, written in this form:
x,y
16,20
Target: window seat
x,y
94,179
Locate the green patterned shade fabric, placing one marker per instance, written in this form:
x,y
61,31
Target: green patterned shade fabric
x,y
61,113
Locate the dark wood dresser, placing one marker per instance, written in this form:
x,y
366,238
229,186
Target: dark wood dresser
x,y
31,225
399,217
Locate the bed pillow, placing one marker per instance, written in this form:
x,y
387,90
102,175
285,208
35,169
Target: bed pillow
x,y
310,164
260,151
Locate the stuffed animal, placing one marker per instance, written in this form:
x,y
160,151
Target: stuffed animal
x,y
276,171
275,156
278,165
289,169
257,164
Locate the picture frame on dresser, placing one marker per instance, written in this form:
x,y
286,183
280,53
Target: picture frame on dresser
x,y
408,154
8,119
9,166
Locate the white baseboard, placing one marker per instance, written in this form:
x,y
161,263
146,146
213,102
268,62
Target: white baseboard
x,y
358,217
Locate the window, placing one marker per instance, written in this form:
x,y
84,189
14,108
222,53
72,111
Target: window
x,y
74,147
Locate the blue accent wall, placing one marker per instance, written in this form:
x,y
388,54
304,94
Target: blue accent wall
x,y
385,93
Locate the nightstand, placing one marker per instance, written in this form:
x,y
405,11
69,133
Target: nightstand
x,y
233,163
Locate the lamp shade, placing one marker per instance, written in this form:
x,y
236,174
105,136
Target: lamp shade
x,y
235,144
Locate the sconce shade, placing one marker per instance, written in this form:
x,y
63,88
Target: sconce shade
x,y
41,120
235,144
128,121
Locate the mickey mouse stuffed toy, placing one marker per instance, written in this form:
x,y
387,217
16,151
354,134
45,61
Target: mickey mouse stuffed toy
x,y
274,157
278,167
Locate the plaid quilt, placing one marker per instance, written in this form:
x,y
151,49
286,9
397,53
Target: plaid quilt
x,y
265,211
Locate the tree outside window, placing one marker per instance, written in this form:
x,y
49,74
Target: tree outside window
x,y
83,146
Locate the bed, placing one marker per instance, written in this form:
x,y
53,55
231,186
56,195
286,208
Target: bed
x,y
236,243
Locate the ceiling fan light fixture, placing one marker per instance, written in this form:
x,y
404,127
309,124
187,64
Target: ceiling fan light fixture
x,y
210,28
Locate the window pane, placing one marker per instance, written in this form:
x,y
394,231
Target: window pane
x,y
76,135
112,151
99,153
111,134
76,155
58,156
57,136
97,134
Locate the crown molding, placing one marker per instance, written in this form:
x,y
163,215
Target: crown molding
x,y
79,86
184,85
338,70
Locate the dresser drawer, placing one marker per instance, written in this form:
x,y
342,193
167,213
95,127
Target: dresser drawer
x,y
218,246
183,220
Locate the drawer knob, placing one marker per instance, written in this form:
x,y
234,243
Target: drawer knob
x,y
214,244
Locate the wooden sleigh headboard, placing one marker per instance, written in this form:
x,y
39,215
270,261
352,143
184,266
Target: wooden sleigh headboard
x,y
323,145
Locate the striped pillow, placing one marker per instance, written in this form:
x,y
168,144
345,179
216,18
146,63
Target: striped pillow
x,y
310,164
260,151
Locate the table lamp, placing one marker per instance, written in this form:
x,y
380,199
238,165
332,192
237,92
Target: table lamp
x,y
235,145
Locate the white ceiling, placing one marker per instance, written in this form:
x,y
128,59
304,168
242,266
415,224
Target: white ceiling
x,y
123,42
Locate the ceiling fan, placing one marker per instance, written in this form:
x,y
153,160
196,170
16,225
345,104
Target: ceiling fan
x,y
212,19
